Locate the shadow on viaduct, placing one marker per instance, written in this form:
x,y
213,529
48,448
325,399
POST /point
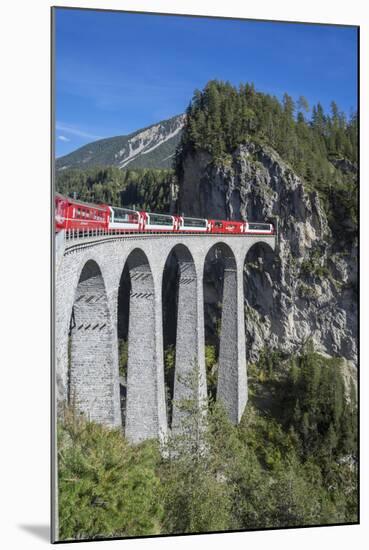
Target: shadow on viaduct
x,y
88,279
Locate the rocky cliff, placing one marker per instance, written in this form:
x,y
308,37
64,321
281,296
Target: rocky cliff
x,y
307,290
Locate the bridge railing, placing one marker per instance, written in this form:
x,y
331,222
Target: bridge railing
x,y
71,240
74,234
71,235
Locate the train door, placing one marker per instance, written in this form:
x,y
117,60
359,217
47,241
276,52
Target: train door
x,y
142,221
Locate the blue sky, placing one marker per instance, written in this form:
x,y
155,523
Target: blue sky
x,y
118,72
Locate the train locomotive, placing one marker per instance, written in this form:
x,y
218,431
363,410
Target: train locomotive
x,y
75,215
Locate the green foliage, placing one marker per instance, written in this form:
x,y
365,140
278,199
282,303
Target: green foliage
x,y
306,291
314,265
169,359
196,497
123,357
318,409
221,117
211,364
300,438
106,487
146,189
169,365
290,462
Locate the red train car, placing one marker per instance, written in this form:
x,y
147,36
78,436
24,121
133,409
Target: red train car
x,y
73,214
225,226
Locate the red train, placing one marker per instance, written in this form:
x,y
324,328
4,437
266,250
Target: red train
x,y
71,214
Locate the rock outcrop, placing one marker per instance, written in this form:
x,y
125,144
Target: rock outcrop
x,y
307,290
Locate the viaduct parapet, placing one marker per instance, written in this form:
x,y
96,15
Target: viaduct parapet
x,y
87,281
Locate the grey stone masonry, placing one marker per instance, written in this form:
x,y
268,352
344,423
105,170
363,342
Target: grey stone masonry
x,y
189,340
142,414
232,385
88,276
92,362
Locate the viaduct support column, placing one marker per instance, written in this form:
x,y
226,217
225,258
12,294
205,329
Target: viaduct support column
x,y
145,414
190,377
162,427
232,376
93,375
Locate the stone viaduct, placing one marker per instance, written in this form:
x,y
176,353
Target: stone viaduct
x,y
88,275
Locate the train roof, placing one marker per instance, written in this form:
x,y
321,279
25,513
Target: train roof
x,y
123,208
227,221
192,218
82,203
158,214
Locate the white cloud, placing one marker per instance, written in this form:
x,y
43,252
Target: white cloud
x,y
75,131
63,138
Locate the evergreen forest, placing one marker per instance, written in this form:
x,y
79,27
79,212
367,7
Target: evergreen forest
x,y
292,461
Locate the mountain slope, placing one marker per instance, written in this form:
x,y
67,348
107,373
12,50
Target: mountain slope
x,y
151,147
306,289
244,155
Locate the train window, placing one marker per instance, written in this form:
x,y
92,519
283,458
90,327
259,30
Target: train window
x,y
160,219
218,224
259,226
194,222
122,215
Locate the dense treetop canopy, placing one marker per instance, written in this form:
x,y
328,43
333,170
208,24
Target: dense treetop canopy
x,y
221,116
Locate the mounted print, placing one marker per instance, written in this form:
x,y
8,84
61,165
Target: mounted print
x,y
205,285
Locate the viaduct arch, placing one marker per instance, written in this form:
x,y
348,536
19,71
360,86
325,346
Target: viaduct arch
x,y
88,278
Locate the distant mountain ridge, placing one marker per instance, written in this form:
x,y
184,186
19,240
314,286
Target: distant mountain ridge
x,y
151,147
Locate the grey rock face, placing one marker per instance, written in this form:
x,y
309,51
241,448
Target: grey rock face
x,y
307,290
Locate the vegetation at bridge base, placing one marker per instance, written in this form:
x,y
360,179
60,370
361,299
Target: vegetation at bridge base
x,y
292,461
107,488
